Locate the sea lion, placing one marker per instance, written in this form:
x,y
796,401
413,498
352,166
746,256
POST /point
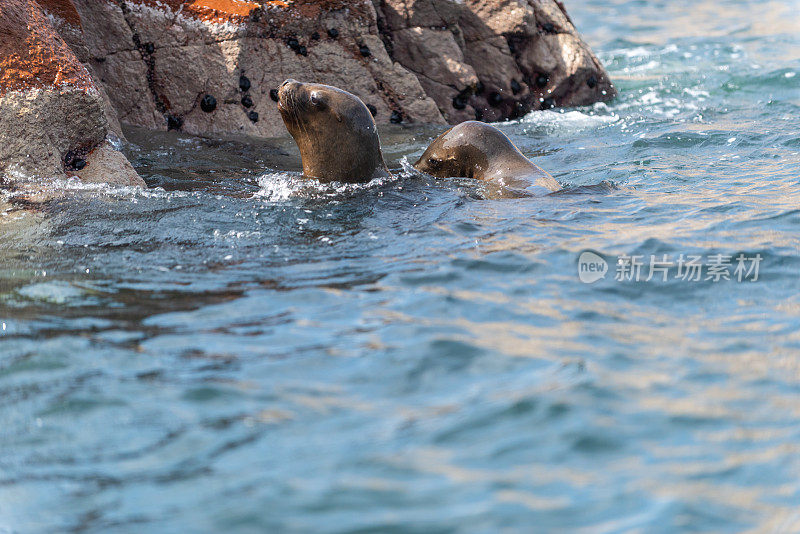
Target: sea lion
x,y
478,150
334,130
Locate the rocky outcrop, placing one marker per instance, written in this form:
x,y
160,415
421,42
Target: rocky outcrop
x,y
53,121
73,70
493,59
212,66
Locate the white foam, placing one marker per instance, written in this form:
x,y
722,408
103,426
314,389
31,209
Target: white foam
x,y
281,186
116,191
235,235
28,186
278,186
699,94
650,65
16,174
567,121
408,168
55,292
644,51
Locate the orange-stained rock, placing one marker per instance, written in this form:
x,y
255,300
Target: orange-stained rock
x,y
221,9
51,112
32,54
209,10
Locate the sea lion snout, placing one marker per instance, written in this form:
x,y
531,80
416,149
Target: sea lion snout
x,y
285,91
288,84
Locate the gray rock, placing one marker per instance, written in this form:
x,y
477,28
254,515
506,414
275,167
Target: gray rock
x,y
526,54
194,54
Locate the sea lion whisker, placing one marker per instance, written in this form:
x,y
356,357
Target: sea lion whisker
x,y
297,117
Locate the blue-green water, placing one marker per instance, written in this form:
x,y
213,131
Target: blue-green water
x,y
243,353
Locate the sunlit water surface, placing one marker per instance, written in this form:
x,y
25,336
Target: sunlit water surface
x,y
233,351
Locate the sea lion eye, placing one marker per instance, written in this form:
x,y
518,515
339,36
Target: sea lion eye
x,y
317,101
434,163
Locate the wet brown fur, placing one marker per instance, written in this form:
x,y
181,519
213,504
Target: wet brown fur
x,y
478,150
334,130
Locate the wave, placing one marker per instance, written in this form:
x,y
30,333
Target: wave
x,y
565,122
279,186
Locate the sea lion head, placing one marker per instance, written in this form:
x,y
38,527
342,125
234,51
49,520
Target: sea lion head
x,y
334,130
469,150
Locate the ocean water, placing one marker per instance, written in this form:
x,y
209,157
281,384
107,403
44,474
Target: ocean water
x,y
236,350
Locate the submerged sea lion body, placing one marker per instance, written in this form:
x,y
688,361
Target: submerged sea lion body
x,y
475,149
334,130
